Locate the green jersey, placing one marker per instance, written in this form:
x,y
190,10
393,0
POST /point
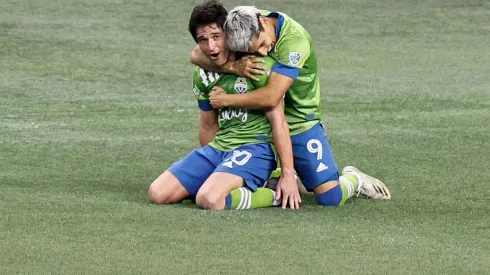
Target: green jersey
x,y
296,59
237,126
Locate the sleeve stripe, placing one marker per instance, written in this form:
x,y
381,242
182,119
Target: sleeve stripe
x,y
286,70
204,105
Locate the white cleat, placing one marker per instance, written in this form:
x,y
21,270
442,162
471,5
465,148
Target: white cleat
x,y
370,187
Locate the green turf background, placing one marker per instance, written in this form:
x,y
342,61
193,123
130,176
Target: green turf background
x,y
96,101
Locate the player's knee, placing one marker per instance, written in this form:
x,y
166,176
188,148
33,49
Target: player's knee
x,y
156,196
332,197
159,195
210,200
166,189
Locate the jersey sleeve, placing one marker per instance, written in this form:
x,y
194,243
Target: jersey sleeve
x,y
292,54
269,64
200,91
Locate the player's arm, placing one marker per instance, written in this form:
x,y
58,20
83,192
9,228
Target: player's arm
x,y
199,59
281,138
208,121
287,189
290,61
246,66
266,97
208,126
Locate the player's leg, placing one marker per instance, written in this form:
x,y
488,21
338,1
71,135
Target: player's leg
x,y
212,194
167,189
182,179
314,163
316,167
318,171
234,185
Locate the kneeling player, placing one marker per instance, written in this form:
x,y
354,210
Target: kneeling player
x,y
236,158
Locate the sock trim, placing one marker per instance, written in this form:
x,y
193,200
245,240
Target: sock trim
x,y
348,185
249,195
242,198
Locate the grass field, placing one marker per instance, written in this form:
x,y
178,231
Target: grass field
x,y
96,101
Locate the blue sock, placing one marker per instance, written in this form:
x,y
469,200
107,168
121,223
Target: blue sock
x,y
332,197
228,202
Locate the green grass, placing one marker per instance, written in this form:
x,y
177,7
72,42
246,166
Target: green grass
x,y
96,102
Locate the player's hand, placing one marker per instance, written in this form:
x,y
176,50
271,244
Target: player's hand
x,y
217,97
249,65
287,191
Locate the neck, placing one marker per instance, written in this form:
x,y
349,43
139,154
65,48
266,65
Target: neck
x,y
231,56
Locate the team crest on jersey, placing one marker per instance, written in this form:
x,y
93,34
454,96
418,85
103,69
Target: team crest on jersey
x,y
241,85
294,58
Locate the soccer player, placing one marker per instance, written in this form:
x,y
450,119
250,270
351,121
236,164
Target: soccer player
x,y
236,156
295,78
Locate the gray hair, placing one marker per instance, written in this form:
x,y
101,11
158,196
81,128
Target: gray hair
x,y
241,25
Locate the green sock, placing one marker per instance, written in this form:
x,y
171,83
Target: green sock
x,y
349,184
243,198
276,173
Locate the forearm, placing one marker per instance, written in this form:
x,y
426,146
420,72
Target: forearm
x,y
269,96
201,60
205,64
208,126
284,148
206,135
258,99
282,141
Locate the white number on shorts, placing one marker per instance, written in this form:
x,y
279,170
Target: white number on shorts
x,y
315,147
237,154
238,158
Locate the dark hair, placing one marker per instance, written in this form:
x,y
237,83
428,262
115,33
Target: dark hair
x,y
211,11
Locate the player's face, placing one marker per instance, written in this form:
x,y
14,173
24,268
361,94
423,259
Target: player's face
x,y
211,41
262,44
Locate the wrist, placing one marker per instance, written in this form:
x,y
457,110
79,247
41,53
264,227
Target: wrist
x,y
287,172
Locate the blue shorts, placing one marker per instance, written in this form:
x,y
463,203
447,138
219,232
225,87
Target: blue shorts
x,y
313,159
254,163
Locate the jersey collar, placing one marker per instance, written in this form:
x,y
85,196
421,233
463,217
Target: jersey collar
x,y
280,22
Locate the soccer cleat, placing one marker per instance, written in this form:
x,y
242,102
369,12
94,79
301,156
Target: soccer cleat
x,y
370,187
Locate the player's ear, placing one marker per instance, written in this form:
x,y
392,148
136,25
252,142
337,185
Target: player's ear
x,y
262,20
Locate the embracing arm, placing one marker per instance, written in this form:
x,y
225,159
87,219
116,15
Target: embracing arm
x,y
199,59
266,97
247,66
208,126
